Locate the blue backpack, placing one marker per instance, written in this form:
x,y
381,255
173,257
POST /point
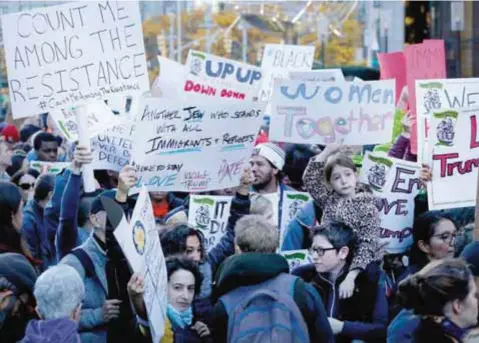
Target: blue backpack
x,y
265,313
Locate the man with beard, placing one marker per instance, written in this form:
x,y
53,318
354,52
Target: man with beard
x,y
267,163
17,278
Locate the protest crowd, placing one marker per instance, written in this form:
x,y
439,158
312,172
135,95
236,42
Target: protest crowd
x,y
335,210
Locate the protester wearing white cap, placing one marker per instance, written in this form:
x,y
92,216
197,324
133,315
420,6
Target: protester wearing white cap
x,y
266,164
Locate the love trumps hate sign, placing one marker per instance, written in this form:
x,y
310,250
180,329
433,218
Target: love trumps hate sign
x,y
197,147
60,55
454,142
306,112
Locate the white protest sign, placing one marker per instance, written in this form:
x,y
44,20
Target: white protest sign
x,y
112,147
454,143
49,167
396,183
57,56
99,115
141,245
170,80
193,147
322,75
296,258
435,94
221,77
306,112
279,60
210,214
293,201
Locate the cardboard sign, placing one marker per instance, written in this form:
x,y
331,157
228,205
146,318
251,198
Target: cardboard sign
x,y
57,56
196,146
321,113
140,243
323,75
434,94
396,183
112,147
292,202
279,60
210,214
393,66
423,61
49,167
224,77
297,258
454,143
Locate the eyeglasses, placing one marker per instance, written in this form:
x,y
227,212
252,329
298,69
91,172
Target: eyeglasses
x,y
446,237
27,186
319,251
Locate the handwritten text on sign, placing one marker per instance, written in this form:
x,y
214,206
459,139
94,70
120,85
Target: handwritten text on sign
x,y
396,183
279,60
60,55
224,76
210,214
454,141
323,112
432,95
112,148
193,147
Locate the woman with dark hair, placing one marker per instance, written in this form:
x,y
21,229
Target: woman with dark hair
x,y
433,239
184,282
25,180
434,236
443,295
11,222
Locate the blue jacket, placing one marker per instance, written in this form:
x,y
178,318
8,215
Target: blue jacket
x,y
51,216
92,326
35,235
295,237
69,235
403,327
365,314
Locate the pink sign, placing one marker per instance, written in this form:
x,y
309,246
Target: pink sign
x,y
423,61
393,66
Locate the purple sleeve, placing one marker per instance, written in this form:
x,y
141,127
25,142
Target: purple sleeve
x,y
400,147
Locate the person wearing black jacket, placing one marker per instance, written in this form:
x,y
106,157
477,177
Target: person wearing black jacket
x,y
364,315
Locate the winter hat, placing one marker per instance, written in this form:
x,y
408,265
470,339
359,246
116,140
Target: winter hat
x,y
16,269
471,255
10,133
272,153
